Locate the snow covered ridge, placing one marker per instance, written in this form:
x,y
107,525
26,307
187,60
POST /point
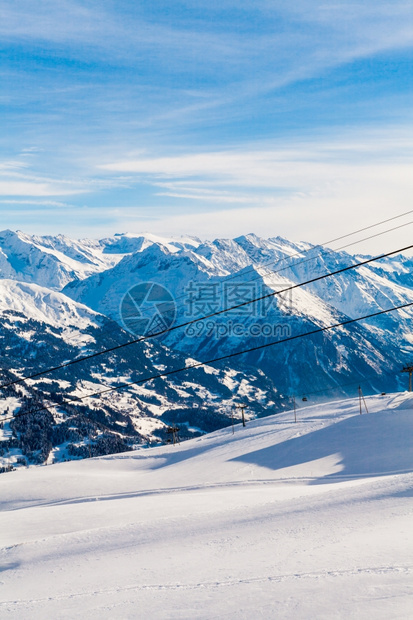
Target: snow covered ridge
x,y
282,519
56,261
46,306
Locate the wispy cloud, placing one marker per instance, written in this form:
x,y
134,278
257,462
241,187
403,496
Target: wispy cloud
x,y
201,193
303,191
40,202
11,166
21,188
297,166
16,179
197,109
279,42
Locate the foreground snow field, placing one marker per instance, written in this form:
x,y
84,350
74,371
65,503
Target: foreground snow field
x,y
306,520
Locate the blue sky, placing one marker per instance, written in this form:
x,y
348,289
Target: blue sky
x,y
213,119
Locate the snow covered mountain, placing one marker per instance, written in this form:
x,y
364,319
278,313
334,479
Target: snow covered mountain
x,y
20,301
218,274
50,261
40,328
55,261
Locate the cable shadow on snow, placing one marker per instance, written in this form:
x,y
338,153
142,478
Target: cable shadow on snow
x,y
370,445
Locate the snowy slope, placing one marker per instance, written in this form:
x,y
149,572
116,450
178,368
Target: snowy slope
x,y
41,304
156,263
279,520
355,293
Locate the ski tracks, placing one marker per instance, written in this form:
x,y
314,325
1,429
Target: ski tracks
x,y
211,585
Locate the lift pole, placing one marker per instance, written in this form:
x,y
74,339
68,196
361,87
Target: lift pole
x,y
361,397
242,407
409,369
173,430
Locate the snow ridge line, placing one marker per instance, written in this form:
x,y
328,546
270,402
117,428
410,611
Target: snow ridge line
x,y
352,572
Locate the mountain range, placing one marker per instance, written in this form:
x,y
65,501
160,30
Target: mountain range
x,y
62,299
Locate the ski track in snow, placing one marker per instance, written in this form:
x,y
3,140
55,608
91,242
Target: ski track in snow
x,y
369,570
225,526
